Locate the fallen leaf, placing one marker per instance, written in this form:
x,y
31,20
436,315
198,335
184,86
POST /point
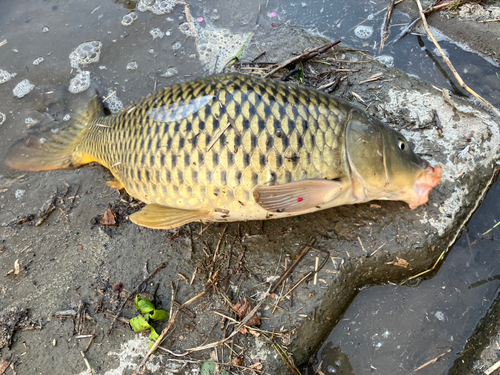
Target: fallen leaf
x,y
109,217
237,361
400,263
243,308
16,267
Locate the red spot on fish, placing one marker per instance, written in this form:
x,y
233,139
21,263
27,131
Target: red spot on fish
x,y
300,199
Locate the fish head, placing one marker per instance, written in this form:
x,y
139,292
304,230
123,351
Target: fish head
x,y
383,164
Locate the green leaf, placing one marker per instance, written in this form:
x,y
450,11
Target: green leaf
x,y
139,324
147,316
144,305
297,219
208,367
224,372
159,315
153,335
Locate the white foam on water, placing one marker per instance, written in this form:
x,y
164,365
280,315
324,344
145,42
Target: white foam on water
x,y
5,76
80,82
363,31
23,88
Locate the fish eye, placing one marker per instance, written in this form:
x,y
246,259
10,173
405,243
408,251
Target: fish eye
x,y
401,144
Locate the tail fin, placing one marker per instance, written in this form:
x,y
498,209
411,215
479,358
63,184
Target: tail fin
x,y
54,151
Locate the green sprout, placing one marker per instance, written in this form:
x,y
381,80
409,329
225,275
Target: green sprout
x,y
141,323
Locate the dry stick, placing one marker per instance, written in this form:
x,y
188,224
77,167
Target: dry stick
x,y
307,55
171,322
133,293
385,32
406,30
432,361
91,372
120,318
377,13
496,366
448,62
214,344
287,273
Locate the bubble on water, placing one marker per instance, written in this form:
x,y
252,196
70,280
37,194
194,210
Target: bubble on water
x,y
80,82
151,50
157,33
370,16
132,65
5,76
2,118
86,53
176,45
42,140
129,19
169,19
15,50
66,117
331,369
114,103
172,71
188,28
19,193
168,32
45,29
55,130
363,32
38,60
102,67
156,6
23,88
218,46
386,60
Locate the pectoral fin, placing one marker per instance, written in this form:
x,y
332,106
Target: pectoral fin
x,y
163,217
297,196
115,184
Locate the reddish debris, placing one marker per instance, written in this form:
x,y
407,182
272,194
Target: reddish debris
x,y
117,287
109,217
243,308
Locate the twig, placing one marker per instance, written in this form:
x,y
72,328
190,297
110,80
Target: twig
x,y
432,361
494,20
406,30
109,96
334,83
45,214
3,42
306,55
489,230
90,342
385,32
450,65
91,372
133,293
496,366
377,13
258,15
287,273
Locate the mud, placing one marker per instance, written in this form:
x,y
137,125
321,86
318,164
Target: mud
x,y
71,258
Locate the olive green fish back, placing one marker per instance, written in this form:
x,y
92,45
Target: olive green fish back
x,y
210,142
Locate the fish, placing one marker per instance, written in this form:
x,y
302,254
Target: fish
x,y
236,148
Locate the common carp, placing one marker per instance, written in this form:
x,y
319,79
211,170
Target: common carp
x,y
234,147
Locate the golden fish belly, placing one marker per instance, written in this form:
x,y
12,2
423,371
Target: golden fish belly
x,y
207,144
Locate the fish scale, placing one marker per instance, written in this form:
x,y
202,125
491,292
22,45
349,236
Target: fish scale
x,y
286,134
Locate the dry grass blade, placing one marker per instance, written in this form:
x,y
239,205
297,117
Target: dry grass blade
x,y
450,65
432,361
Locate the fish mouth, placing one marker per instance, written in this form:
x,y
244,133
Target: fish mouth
x,y
425,183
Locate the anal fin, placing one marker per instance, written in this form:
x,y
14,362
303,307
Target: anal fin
x,y
297,196
163,217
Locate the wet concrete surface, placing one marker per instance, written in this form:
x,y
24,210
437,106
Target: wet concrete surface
x,y
70,258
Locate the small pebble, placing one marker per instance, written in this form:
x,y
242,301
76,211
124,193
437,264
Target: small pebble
x,y
54,342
